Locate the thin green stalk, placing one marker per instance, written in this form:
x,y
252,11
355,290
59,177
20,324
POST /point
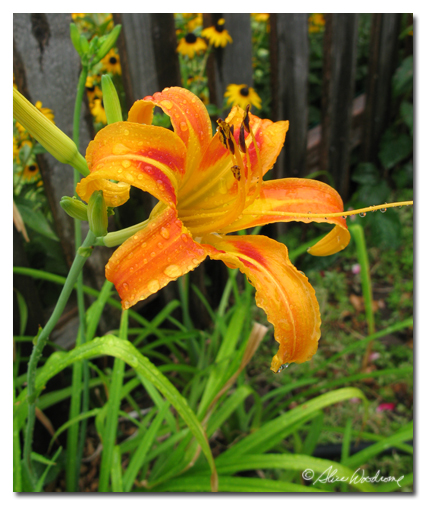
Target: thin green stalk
x,y
357,233
79,369
111,423
79,261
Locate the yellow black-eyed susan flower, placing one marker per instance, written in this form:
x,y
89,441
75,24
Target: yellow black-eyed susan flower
x,y
45,111
316,23
217,35
242,95
31,173
191,44
111,62
98,111
261,18
92,89
195,22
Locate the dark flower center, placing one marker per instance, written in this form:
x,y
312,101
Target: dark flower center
x,y
32,168
90,88
113,60
220,27
190,38
244,91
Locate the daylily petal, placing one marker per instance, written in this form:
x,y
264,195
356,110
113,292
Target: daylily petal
x,y
297,196
147,157
281,290
161,252
189,118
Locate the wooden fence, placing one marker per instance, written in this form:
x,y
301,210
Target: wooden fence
x,y
46,68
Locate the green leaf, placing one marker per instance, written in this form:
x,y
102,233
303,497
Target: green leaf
x,y
116,477
268,432
394,148
23,312
366,173
402,81
407,112
386,229
403,176
201,484
35,220
122,349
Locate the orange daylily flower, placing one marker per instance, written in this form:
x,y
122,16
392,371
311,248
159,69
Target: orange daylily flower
x,y
208,187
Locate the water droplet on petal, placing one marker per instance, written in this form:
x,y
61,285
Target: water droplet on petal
x,y
120,170
184,237
165,233
153,286
160,185
167,104
283,367
126,163
125,286
173,271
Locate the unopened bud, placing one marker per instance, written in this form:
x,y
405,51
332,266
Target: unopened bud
x,y
108,44
111,101
97,214
47,133
74,208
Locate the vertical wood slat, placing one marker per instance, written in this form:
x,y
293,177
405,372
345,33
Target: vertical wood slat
x,y
46,68
337,97
147,47
233,63
382,63
292,100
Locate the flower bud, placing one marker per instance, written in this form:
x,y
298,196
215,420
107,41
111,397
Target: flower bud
x,y
75,38
108,43
97,214
47,133
74,208
111,101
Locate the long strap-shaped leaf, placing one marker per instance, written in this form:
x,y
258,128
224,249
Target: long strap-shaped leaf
x,y
112,346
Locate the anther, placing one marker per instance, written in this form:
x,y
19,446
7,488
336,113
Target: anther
x,y
241,140
246,120
236,172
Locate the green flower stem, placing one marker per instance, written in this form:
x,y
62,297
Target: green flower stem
x,y
80,370
75,270
118,237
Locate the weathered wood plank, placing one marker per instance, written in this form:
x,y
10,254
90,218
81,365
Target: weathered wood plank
x,y
233,63
147,47
292,88
337,96
46,68
382,64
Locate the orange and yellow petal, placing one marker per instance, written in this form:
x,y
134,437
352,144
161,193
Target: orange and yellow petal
x,y
304,196
147,157
282,292
189,117
156,255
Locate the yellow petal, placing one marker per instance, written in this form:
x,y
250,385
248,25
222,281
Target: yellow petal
x,y
281,290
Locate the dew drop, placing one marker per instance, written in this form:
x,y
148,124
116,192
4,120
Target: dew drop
x,y
165,233
173,271
131,269
140,177
120,170
125,286
183,126
283,367
383,210
160,245
152,254
126,306
362,214
195,261
144,244
167,104
126,132
153,286
126,163
184,237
